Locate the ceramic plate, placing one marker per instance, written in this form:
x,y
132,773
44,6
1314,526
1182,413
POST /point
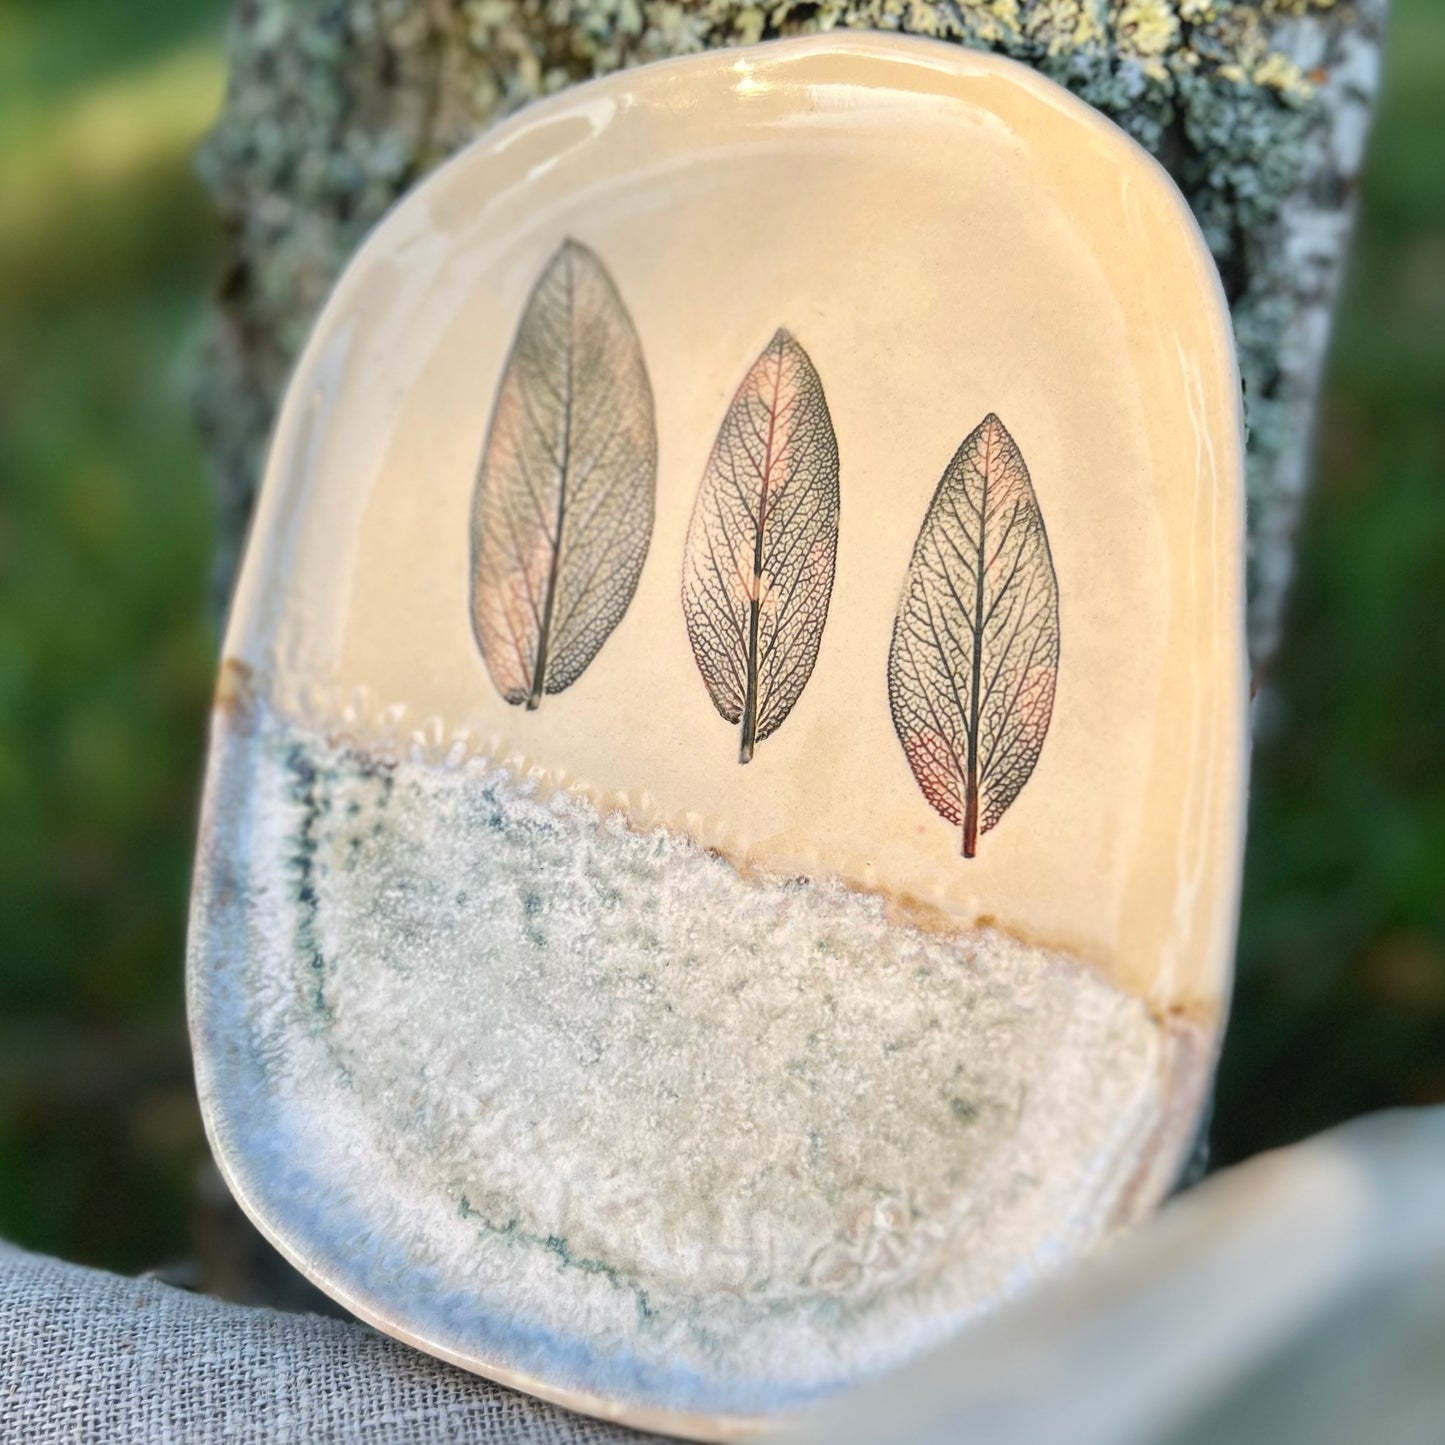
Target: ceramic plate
x,y
723,823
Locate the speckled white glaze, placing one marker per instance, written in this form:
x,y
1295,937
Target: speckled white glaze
x,y
584,1101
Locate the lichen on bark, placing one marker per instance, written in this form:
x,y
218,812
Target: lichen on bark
x,y
1256,107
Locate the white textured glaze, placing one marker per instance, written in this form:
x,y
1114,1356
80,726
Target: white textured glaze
x,y
586,1103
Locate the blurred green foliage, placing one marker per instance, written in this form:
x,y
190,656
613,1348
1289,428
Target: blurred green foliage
x,y
106,255
1340,1001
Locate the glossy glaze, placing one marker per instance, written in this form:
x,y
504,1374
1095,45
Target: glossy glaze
x,y
949,236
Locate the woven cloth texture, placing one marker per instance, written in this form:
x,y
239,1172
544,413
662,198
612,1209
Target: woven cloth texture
x,y
87,1356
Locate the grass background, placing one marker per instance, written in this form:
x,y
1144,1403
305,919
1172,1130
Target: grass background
x,y
107,252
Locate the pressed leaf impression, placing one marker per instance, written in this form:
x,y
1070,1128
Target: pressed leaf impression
x,y
762,544
975,652
565,496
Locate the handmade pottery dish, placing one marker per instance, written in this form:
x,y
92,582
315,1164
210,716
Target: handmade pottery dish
x,y
722,833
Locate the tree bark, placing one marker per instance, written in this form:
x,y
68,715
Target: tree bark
x,y
1258,108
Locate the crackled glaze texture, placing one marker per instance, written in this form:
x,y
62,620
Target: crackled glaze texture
x,y
585,1101
557,1042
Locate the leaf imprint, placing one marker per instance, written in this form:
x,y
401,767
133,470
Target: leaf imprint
x,y
566,491
975,652
762,544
